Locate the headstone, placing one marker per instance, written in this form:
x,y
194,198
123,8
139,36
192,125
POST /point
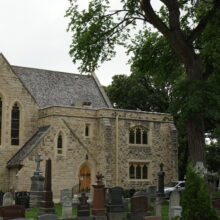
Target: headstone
x,y
152,218
1,197
7,199
115,203
126,202
151,192
174,205
22,198
63,193
139,205
75,201
47,205
12,211
37,183
48,217
67,206
98,207
83,208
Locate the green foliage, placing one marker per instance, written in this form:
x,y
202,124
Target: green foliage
x,y
196,203
213,157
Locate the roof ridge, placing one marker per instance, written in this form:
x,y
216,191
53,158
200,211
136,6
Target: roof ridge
x,y
52,71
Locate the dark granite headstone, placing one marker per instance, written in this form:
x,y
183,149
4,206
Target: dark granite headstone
x,y
83,208
12,211
47,205
22,198
1,197
115,203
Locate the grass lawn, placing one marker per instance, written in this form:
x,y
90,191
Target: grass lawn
x,y
32,213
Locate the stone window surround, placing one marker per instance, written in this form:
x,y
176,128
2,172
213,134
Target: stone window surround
x,y
87,130
21,115
144,162
142,129
63,152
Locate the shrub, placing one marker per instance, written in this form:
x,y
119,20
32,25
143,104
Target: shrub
x,y
196,202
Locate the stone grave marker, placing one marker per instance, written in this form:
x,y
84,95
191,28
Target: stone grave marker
x,y
139,205
47,205
7,199
75,201
151,192
98,206
115,206
12,211
83,208
48,217
1,197
37,184
174,205
63,193
22,198
67,206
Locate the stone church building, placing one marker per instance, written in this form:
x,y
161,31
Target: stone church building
x,y
68,118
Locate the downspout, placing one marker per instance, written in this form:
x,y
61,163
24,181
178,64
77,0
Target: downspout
x,y
116,148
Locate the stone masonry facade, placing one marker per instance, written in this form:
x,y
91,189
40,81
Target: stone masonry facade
x,y
105,149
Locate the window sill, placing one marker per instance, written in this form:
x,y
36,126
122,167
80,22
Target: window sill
x,y
139,180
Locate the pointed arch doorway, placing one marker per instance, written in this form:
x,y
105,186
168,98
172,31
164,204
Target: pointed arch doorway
x,y
84,178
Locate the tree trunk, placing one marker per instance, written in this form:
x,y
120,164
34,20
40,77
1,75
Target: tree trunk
x,y
196,138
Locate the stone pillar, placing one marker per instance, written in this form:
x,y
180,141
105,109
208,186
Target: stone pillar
x,y
98,208
160,192
47,205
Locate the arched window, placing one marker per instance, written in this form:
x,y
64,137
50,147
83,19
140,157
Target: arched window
x,y
138,170
0,120
15,124
60,144
138,135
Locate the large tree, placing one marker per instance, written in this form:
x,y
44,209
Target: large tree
x,y
98,29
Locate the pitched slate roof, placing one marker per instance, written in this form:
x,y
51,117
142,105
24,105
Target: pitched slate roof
x,y
52,88
28,147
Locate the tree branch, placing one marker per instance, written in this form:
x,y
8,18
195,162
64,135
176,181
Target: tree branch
x,y
203,23
153,18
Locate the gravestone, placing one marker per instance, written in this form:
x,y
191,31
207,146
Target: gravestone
x,y
67,206
98,205
48,217
1,197
115,206
174,205
152,218
37,183
7,199
63,193
75,201
12,211
22,198
83,208
139,205
47,205
151,193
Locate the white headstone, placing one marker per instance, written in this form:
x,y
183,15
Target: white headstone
x,y
75,201
174,205
67,207
63,193
7,199
200,168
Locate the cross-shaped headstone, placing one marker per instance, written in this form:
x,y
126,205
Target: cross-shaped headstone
x,y
38,160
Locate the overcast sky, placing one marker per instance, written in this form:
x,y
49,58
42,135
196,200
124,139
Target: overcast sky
x,y
33,34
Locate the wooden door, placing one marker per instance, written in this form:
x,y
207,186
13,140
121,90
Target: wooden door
x,y
84,179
